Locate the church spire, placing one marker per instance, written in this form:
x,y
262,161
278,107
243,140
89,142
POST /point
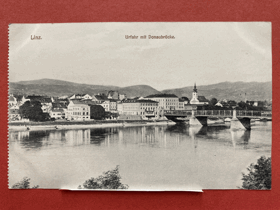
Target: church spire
x,y
194,88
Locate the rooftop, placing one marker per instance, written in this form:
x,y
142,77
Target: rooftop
x,y
163,95
139,101
42,99
101,97
78,102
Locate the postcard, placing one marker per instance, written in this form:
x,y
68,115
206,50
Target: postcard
x,y
154,106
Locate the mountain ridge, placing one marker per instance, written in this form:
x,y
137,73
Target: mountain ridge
x,y
222,90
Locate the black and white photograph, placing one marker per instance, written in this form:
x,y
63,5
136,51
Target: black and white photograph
x,y
140,106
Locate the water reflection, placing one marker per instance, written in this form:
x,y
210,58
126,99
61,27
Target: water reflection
x,y
152,136
240,137
151,157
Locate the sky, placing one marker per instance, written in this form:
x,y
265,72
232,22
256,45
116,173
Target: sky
x,y
99,53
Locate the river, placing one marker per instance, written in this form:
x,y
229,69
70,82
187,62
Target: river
x,y
167,157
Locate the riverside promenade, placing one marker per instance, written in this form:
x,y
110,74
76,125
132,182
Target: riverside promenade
x,y
63,124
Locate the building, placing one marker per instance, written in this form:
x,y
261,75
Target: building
x,y
219,104
14,115
64,101
80,96
46,102
144,108
13,104
99,98
21,99
106,105
165,101
120,107
78,110
113,105
256,103
198,100
183,102
122,96
57,113
113,95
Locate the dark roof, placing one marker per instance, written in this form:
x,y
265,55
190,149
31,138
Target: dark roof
x,y
78,102
139,101
59,105
164,95
57,100
101,97
185,98
46,100
112,93
90,102
41,99
202,99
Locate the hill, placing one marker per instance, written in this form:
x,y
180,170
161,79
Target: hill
x,y
138,90
225,90
229,90
50,87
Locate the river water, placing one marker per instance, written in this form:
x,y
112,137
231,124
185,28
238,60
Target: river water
x,y
168,157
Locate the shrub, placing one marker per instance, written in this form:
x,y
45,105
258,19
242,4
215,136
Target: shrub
x,y
259,176
109,180
24,184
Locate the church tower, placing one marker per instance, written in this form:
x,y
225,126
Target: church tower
x,y
194,95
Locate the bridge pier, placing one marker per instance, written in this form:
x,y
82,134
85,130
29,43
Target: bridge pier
x,y
240,123
198,121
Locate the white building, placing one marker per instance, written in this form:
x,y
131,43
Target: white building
x,y
106,105
165,101
57,113
78,110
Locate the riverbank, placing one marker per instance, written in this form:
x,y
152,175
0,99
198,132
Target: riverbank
x,y
65,125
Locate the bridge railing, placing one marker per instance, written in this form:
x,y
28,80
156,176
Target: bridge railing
x,y
178,112
228,113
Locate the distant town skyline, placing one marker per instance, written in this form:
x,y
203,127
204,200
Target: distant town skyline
x,y
99,53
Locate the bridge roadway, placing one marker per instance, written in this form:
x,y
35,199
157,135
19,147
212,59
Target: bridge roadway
x,y
239,118
219,113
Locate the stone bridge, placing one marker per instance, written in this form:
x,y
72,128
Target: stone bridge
x,y
240,119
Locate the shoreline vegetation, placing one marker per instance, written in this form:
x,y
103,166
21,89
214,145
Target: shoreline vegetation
x,y
64,125
258,178
109,180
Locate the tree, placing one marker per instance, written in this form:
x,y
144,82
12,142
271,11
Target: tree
x,y
33,111
24,184
97,112
259,176
213,101
109,180
242,105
